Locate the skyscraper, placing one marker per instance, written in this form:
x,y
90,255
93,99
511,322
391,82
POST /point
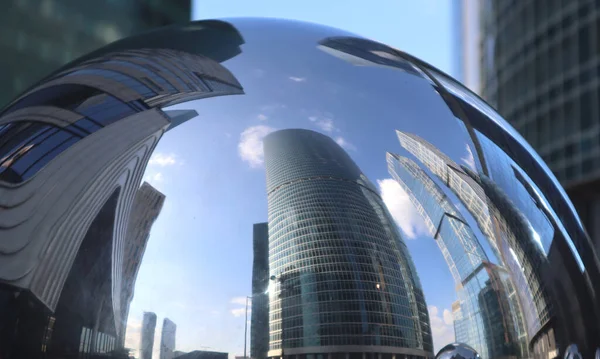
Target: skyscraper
x,y
486,321
167,339
147,339
259,324
104,115
345,282
41,36
147,205
540,70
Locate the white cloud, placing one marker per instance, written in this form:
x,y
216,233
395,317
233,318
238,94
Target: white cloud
x,y
227,134
442,329
469,160
345,144
250,147
239,300
162,159
448,319
401,208
133,335
262,117
239,312
297,79
158,177
324,124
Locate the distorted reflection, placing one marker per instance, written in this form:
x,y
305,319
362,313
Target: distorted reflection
x,y
149,213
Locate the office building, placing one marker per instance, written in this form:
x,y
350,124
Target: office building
x,y
167,339
541,70
485,322
147,337
104,115
201,354
39,37
344,280
259,324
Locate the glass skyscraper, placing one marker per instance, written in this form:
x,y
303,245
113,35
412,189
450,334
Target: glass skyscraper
x,y
486,321
345,283
259,323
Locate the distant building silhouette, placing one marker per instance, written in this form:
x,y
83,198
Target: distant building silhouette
x,y
167,339
147,337
259,324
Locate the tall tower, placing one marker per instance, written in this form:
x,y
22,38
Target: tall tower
x,y
167,339
344,280
259,324
486,321
147,342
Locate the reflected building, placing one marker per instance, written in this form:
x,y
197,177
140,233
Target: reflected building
x,y
364,52
259,324
345,282
147,204
167,339
147,335
38,37
103,115
486,321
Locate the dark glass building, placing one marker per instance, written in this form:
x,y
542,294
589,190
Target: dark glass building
x,y
540,69
147,337
345,283
259,324
40,36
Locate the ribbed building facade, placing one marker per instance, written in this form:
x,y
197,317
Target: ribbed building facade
x,y
541,70
103,115
147,205
345,282
487,322
259,324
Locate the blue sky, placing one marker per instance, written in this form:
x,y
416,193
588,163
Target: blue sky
x,y
197,266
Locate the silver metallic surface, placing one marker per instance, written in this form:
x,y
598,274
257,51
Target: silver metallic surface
x,y
135,189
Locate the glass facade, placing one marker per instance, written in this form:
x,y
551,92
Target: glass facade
x,y
27,146
39,37
259,330
344,275
486,321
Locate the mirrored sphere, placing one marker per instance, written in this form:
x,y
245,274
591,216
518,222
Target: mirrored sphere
x,y
260,188
457,351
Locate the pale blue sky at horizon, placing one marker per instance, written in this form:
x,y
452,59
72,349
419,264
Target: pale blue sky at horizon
x,y
422,29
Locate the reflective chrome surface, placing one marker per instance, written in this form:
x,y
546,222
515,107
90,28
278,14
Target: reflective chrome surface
x,y
267,188
456,351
